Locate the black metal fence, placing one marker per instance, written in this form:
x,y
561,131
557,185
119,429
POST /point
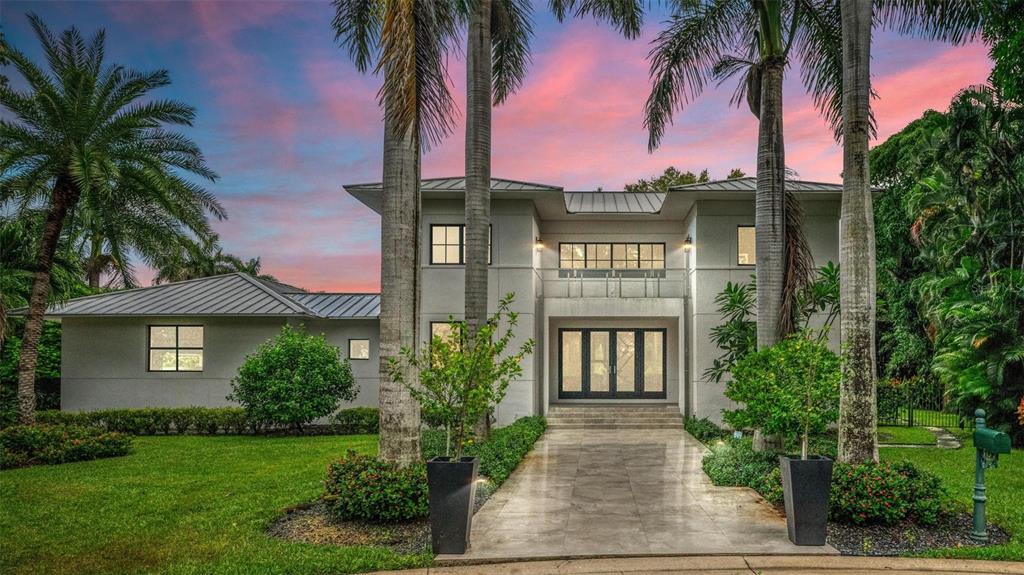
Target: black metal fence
x,y
917,402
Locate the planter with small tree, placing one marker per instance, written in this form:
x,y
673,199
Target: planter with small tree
x,y
462,377
792,388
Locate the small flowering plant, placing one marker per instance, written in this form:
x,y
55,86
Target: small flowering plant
x,y
791,388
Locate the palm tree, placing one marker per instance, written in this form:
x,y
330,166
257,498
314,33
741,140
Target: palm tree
x,y
409,40
113,223
18,237
189,259
80,128
857,436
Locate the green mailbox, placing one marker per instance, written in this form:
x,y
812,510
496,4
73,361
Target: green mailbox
x,y
991,441
989,444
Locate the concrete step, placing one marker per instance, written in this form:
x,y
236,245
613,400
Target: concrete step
x,y
558,409
617,425
612,418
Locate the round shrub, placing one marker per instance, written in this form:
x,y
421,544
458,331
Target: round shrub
x,y
886,493
357,421
293,380
364,488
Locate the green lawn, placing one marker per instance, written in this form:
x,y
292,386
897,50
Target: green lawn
x,y
187,504
906,435
1005,493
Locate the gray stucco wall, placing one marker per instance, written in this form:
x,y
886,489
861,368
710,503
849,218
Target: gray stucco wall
x,y
104,363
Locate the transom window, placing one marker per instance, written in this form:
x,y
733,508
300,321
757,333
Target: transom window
x,y
611,256
175,348
447,244
359,349
746,246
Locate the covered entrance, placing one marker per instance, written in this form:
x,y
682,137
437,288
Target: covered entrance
x,y
611,363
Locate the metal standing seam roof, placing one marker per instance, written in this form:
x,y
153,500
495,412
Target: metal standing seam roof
x,y
749,184
235,294
339,305
458,184
613,202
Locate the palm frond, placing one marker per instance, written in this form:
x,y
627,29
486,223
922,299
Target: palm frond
x,y
511,30
626,15
954,21
799,265
357,27
684,57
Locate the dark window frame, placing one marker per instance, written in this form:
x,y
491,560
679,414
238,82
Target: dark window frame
x,y
612,259
738,228
613,393
367,340
176,349
462,244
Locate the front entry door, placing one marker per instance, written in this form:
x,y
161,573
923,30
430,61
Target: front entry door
x,y
611,363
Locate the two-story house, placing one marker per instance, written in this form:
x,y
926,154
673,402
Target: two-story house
x,y
616,288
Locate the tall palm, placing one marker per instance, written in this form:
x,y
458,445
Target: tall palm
x,y
857,436
406,41
80,128
189,259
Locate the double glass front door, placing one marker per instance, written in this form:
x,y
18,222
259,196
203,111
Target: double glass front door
x,y
611,363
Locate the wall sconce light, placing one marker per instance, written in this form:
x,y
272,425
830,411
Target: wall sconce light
x,y
688,244
537,244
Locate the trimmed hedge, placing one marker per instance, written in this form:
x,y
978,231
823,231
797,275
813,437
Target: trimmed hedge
x,y
203,420
365,488
356,421
24,445
882,493
502,451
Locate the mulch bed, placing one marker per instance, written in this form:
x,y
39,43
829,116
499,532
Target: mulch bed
x,y
907,538
311,523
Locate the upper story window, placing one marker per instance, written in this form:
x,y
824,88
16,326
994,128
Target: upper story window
x,y
447,244
611,256
175,348
746,242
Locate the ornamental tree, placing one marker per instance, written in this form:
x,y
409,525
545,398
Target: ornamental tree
x,y
790,388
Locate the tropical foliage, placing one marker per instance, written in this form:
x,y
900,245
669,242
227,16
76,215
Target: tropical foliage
x,y
967,224
463,376
673,177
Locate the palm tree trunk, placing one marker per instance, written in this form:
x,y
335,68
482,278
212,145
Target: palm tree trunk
x,y
857,408
770,205
399,292
770,215
478,173
65,197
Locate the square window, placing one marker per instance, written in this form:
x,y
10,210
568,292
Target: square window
x,y
447,243
746,242
359,349
175,348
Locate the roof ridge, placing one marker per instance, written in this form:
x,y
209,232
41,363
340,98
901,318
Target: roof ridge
x,y
463,177
332,293
140,288
287,301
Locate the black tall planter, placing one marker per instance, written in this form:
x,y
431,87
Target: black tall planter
x,y
806,484
452,486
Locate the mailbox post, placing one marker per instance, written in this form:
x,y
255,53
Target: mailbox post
x,y
988,445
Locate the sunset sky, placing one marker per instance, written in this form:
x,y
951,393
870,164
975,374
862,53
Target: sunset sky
x,y
285,118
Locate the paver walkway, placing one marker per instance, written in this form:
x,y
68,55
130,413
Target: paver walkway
x,y
591,493
734,565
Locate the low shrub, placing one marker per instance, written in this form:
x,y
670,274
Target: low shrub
x,y
502,451
735,463
23,445
886,493
703,429
882,493
356,421
365,488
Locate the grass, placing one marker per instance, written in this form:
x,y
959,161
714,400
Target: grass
x,y
1005,493
906,435
178,505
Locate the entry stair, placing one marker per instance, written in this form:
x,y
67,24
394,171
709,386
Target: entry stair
x,y
587,416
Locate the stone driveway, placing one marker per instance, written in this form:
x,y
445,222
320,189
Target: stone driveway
x,y
589,493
